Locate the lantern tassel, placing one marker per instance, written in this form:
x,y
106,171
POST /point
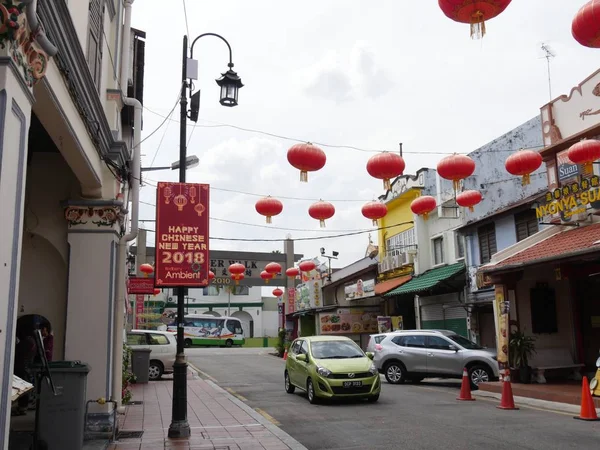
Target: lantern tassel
x,y
471,209
322,223
267,281
526,179
386,184
456,185
477,25
269,219
425,216
304,176
374,221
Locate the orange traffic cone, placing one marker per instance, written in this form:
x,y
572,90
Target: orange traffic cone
x,y
465,388
285,354
588,410
507,401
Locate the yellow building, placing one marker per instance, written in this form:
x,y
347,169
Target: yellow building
x,y
398,242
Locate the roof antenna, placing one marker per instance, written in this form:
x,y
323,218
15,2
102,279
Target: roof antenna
x,y
548,54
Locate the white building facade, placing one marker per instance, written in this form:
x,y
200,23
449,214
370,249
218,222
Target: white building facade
x,y
66,159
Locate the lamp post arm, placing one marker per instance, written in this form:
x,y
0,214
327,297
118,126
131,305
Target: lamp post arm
x,y
215,35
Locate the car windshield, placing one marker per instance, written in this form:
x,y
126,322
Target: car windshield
x,y
464,342
336,350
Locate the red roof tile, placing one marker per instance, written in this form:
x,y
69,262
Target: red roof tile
x,y
558,246
386,286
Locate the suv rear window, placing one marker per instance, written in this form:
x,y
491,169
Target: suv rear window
x,y
379,338
410,341
159,339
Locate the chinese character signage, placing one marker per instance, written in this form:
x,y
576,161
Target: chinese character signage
x,y
502,311
570,200
181,235
139,310
291,294
138,285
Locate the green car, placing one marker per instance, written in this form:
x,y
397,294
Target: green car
x,y
331,366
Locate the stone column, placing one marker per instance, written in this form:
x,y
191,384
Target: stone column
x,y
22,64
93,236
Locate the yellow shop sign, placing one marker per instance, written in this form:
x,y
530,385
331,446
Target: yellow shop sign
x,y
571,199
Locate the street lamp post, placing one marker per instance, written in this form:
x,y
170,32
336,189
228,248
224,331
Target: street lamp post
x,y
229,83
190,162
334,256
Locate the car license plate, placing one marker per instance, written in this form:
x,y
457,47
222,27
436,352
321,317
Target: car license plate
x,y
349,384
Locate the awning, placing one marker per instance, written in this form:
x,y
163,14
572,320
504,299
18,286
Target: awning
x,y
429,280
572,243
388,285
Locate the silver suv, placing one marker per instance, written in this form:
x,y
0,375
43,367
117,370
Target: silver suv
x,y
417,354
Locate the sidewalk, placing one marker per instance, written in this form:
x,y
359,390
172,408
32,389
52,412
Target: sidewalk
x,y
217,419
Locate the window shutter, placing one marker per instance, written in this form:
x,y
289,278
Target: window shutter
x,y
95,42
487,242
526,224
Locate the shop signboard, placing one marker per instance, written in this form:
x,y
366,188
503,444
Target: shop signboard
x,y
349,321
291,297
360,289
140,285
397,323
308,293
384,324
571,202
182,235
139,310
502,311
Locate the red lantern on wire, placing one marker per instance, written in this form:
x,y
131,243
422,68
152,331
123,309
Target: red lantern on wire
x,y
523,163
211,275
473,12
385,166
273,268
374,211
146,269
422,206
307,266
266,276
586,25
277,292
237,268
455,168
321,211
157,291
237,277
306,158
269,207
585,152
468,199
292,272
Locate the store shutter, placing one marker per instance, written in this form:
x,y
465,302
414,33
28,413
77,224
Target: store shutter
x,y
432,316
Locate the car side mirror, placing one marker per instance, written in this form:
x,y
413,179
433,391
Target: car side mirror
x,y
301,358
370,355
453,347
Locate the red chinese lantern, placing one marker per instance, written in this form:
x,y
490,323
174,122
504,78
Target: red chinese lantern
x,y
585,152
385,166
237,277
277,292
146,269
321,211
292,272
586,25
374,211
157,291
306,158
269,207
211,275
237,268
523,163
468,199
422,206
266,276
456,167
307,266
474,12
273,268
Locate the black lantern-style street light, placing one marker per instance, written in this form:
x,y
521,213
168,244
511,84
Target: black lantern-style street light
x,y
230,84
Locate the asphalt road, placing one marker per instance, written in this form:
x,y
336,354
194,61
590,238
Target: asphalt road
x,y
424,416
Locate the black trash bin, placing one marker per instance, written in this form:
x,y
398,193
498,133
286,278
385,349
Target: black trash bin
x,y
62,417
140,364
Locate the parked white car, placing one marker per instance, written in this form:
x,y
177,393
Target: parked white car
x,y
164,349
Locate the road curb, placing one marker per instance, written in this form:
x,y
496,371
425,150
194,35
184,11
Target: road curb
x,y
534,403
282,435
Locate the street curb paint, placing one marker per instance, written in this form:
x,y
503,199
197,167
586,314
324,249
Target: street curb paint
x,y
533,403
282,435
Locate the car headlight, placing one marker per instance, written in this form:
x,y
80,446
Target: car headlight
x,y
373,370
323,371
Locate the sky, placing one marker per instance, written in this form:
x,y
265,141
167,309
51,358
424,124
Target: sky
x,y
368,75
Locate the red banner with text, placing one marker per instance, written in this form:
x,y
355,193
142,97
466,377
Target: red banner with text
x,y
139,310
181,235
291,306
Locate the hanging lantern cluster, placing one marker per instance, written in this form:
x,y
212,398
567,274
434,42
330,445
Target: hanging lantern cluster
x,y
306,158
586,25
468,199
374,211
266,276
523,163
237,270
585,152
277,292
273,269
422,206
269,207
385,166
473,12
321,211
456,168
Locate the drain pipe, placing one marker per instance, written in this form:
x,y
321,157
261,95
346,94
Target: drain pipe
x,y
119,316
36,29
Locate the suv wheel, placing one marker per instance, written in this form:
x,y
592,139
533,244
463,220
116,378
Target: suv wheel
x,y
395,373
479,374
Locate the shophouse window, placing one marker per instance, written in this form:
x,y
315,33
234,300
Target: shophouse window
x,y
438,251
95,32
526,223
241,290
210,291
400,242
487,242
460,246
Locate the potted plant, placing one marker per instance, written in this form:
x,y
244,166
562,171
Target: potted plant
x,y
520,348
